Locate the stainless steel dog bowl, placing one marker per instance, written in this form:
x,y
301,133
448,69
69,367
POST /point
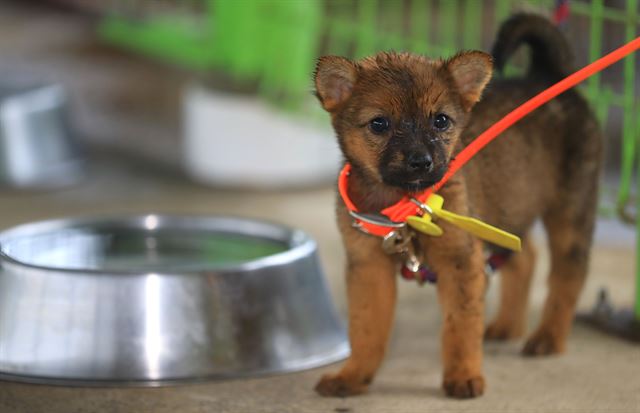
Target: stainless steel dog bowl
x,y
153,299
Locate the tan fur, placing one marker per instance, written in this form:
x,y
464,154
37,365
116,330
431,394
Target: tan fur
x,y
459,258
515,281
371,287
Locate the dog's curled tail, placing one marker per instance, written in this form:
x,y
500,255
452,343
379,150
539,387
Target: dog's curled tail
x,y
550,57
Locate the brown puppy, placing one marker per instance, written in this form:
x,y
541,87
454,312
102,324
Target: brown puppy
x,y
399,119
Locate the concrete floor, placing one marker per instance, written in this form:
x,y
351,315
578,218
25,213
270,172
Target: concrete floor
x,y
599,373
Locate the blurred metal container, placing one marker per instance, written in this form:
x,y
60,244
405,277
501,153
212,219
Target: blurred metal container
x,y
37,147
149,300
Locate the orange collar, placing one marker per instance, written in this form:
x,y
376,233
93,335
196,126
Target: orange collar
x,y
396,213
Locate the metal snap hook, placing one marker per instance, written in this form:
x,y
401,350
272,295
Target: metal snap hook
x,y
424,207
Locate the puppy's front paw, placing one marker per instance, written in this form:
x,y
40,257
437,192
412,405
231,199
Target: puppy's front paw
x,y
543,343
464,388
336,385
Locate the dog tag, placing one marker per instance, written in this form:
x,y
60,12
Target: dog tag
x,y
411,262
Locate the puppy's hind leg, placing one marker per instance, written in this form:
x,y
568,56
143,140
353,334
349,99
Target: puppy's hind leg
x,y
570,246
371,291
569,223
515,281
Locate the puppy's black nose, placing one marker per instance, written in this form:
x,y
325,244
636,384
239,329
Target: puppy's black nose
x,y
420,161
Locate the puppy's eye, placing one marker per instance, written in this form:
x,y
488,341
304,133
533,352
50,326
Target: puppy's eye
x,y
441,122
379,125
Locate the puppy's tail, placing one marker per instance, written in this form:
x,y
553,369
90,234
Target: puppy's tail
x,y
551,56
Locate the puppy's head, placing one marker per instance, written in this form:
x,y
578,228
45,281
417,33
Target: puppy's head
x,y
398,116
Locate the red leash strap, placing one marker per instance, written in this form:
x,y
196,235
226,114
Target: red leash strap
x,y
529,106
405,208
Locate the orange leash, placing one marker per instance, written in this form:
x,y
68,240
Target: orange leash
x,y
405,207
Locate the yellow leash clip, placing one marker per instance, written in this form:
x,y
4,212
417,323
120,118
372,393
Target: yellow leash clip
x,y
474,226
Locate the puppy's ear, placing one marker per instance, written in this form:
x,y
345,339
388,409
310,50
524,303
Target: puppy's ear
x,y
334,78
471,72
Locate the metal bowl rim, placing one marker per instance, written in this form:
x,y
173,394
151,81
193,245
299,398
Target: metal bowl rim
x,y
299,242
